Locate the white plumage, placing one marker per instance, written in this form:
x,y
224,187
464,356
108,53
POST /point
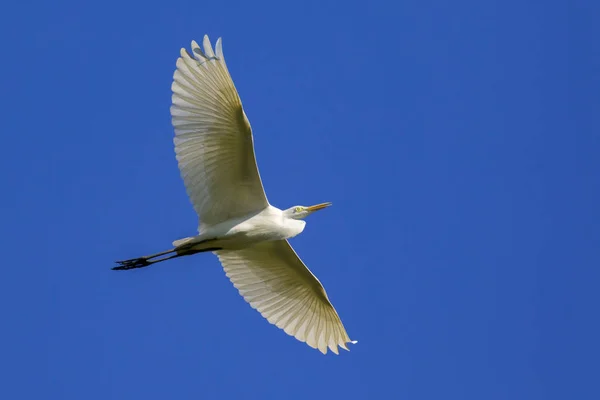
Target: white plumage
x,y
273,279
213,138
215,152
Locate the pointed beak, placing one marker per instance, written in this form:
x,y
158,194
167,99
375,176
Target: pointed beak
x,y
318,207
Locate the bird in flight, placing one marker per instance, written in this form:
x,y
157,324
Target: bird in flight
x,y
215,154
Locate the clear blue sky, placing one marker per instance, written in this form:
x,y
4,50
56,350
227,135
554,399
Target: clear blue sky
x,y
458,140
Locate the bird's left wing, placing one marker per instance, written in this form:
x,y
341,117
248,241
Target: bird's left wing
x,y
213,138
273,280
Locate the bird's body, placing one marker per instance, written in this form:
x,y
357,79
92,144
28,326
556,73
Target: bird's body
x,y
267,225
215,152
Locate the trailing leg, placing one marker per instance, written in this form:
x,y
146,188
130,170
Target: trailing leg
x,y
145,261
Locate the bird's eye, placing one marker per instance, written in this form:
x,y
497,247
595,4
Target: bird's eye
x,y
298,209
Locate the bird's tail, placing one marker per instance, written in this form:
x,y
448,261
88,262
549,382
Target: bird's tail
x,y
181,242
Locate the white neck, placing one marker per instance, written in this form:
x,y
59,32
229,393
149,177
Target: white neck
x,y
293,227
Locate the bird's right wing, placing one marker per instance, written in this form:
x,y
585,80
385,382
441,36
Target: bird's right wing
x,y
213,138
272,278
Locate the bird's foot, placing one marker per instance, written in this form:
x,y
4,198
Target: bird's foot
x,y
131,264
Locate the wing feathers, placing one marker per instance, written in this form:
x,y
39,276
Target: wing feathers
x,y
213,139
274,281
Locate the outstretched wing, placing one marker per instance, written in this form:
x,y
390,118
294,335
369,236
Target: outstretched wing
x,y
213,138
272,278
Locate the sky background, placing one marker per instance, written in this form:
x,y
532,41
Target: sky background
x,y
458,140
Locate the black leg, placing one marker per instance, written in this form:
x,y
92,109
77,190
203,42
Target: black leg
x,y
162,253
142,262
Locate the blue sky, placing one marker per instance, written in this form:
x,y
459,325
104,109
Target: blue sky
x,y
458,142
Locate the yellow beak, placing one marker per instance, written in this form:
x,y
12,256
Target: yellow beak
x,y
318,207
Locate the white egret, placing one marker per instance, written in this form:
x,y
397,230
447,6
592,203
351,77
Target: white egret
x,y
214,149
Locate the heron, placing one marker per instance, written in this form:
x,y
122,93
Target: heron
x,y
214,148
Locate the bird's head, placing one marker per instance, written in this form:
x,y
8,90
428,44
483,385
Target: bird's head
x,y
301,212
